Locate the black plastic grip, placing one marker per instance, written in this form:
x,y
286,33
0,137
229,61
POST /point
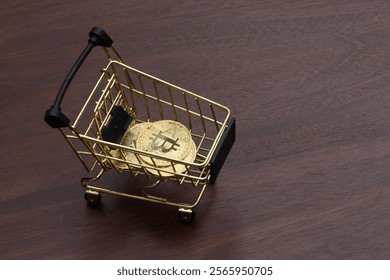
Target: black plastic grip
x,y
54,117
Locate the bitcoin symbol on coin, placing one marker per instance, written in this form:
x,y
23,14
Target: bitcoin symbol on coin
x,y
160,144
164,138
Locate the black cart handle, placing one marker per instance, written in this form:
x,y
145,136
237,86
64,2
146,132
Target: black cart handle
x,y
54,117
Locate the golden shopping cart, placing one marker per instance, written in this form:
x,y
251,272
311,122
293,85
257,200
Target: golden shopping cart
x,y
134,122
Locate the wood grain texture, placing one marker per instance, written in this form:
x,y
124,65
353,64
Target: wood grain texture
x,y
308,82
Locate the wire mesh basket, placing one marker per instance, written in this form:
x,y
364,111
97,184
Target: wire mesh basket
x,y
124,115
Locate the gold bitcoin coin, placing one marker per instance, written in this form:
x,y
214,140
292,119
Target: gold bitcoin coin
x,y
165,138
129,140
177,167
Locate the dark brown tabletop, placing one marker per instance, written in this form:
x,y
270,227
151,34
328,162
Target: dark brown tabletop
x,y
307,81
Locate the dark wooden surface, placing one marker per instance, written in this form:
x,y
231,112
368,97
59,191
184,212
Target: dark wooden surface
x,y
309,84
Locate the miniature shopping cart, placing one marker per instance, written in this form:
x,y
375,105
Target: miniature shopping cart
x,y
124,97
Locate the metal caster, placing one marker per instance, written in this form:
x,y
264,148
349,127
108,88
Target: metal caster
x,y
93,198
186,216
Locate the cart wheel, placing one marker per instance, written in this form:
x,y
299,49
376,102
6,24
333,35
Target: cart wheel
x,y
186,216
93,198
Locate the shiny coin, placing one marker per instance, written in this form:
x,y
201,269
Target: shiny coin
x,y
165,138
177,167
129,140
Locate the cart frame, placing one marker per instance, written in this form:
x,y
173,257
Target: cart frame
x,y
124,96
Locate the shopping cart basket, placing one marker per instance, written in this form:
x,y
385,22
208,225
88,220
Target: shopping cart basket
x,y
124,99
